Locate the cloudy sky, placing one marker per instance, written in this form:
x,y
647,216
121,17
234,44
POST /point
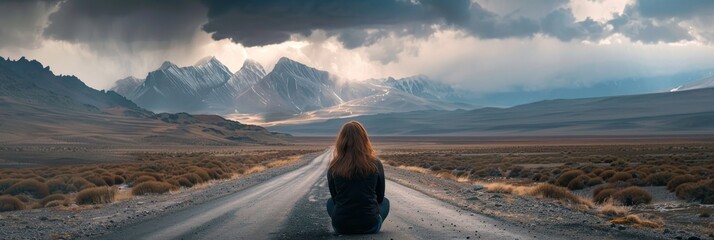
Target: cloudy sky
x,y
482,45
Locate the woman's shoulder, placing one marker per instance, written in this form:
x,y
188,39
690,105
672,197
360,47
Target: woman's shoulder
x,y
378,162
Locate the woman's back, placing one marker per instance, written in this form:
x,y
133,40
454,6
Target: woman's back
x,y
357,200
356,180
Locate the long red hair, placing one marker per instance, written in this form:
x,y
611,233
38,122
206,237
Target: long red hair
x,y
353,152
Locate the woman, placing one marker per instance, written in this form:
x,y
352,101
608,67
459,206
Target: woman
x,y
356,180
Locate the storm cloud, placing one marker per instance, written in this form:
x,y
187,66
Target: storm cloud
x,y
126,24
22,22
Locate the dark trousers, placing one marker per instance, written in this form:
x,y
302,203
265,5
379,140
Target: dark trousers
x,y
383,212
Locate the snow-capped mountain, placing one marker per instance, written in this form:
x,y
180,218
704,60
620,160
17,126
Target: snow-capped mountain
x,y
422,86
703,83
224,98
181,89
127,86
290,88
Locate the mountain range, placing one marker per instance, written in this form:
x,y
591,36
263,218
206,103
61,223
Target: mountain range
x,y
37,106
680,112
292,90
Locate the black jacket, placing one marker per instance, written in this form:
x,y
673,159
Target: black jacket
x,y
357,200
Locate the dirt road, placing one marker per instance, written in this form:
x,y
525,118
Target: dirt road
x,y
292,206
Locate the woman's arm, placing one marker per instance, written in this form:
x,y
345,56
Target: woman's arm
x,y
331,184
380,182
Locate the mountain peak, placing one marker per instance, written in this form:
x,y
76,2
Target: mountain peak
x,y
251,62
284,61
207,60
167,65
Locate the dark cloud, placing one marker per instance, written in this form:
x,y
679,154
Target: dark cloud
x,y
485,24
258,22
649,30
682,9
22,22
128,23
562,25
158,24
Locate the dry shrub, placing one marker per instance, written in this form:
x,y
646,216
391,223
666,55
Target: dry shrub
x,y
96,195
555,192
579,182
658,179
57,203
415,169
193,178
595,181
118,179
255,169
604,195
51,198
59,186
499,187
109,179
620,177
679,180
10,203
283,162
184,182
96,180
637,221
151,187
80,183
540,177
701,191
568,176
544,190
144,178
7,183
607,174
630,196
609,208
204,174
30,186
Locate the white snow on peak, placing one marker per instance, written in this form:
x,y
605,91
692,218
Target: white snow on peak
x,y
206,60
702,83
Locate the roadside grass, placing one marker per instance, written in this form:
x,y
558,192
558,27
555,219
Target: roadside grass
x,y
151,173
616,177
10,203
543,190
152,187
638,221
96,195
611,209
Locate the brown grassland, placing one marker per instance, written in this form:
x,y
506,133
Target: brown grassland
x,y
610,176
150,173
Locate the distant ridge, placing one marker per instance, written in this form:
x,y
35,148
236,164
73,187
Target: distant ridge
x,y
685,112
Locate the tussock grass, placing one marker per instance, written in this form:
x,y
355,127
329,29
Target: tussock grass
x,y
701,191
610,208
255,169
172,169
53,197
30,186
10,203
631,196
96,195
679,180
638,221
543,190
415,169
151,187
